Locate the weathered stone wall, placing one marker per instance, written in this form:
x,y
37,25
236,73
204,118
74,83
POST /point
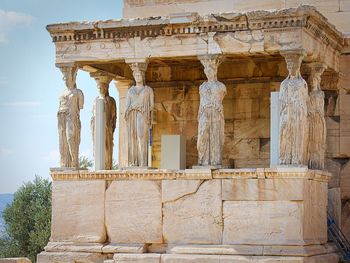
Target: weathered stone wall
x,y
338,144
337,12
246,107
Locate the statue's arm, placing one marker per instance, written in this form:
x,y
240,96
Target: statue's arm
x,y
81,99
128,103
282,98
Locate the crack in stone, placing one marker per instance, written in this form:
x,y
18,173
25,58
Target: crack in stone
x,y
187,194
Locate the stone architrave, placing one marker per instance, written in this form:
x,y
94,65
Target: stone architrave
x,y
317,121
293,100
110,110
69,127
211,122
139,104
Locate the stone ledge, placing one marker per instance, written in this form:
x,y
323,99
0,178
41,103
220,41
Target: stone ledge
x,y
193,174
253,250
109,248
192,258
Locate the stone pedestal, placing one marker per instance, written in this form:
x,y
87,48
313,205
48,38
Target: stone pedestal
x,y
166,216
173,152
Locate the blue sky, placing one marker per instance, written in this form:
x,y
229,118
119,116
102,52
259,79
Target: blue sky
x,y
30,85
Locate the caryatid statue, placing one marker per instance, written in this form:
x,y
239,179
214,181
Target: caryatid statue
x,y
110,114
139,104
317,122
69,126
293,100
211,122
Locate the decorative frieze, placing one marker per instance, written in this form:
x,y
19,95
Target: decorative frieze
x,y
302,17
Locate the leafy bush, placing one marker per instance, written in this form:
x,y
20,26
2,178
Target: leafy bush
x,y
27,220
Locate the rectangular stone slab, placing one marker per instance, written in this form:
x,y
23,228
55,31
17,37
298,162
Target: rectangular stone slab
x,y
192,212
263,223
134,212
263,189
78,211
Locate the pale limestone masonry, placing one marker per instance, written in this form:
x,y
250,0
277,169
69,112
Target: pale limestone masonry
x,y
245,213
337,12
202,215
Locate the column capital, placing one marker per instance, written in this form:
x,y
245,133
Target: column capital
x,y
293,58
290,53
315,69
123,84
211,64
138,64
102,77
212,59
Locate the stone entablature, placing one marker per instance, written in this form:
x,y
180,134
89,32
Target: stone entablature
x,y
258,32
192,174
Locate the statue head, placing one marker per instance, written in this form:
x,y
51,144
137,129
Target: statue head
x,y
211,64
139,73
316,71
69,76
103,89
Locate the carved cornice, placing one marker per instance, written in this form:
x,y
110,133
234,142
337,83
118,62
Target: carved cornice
x,y
192,174
113,30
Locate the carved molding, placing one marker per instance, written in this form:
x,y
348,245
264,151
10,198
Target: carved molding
x,y
192,174
302,17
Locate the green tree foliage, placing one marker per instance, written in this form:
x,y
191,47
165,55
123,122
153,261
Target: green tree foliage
x,y
27,221
85,163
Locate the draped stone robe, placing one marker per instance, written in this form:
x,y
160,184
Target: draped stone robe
x,y
294,126
211,123
69,126
317,130
139,103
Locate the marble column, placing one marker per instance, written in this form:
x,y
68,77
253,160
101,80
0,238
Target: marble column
x,y
103,123
294,124
122,87
317,122
211,121
71,102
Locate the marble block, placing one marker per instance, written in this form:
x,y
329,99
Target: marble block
x,y
192,212
134,212
78,211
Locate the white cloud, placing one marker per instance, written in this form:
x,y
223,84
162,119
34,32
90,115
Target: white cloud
x,y
9,20
4,152
21,104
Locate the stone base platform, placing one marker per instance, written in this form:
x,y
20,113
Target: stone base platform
x,y
224,215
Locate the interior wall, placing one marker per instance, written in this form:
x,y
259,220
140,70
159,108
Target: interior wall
x,y
246,107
